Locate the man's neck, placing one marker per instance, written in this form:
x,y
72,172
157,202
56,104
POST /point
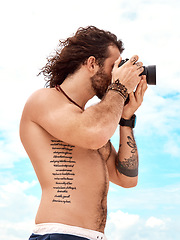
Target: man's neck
x,y
78,88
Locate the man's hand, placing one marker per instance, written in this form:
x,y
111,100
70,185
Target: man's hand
x,y
135,99
128,73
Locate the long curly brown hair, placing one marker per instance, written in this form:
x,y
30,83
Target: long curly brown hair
x,y
74,51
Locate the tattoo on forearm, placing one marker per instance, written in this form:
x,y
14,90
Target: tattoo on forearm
x,y
132,143
129,166
63,171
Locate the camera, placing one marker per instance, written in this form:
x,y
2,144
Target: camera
x,y
149,71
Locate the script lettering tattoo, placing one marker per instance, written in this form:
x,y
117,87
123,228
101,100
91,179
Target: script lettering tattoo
x,y
129,166
63,171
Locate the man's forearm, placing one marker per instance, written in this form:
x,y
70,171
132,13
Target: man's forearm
x,y
110,107
106,114
127,159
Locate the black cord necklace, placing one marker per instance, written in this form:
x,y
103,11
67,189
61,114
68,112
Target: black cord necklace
x,y
60,90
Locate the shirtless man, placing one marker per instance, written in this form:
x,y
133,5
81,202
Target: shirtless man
x,y
69,147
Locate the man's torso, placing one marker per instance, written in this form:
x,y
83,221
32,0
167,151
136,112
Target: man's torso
x,y
74,180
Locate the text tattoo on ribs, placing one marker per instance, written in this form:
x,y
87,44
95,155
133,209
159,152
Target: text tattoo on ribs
x,y
63,171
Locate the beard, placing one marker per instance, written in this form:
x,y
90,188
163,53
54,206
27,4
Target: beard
x,y
100,82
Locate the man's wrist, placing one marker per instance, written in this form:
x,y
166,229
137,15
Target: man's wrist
x,y
127,117
128,122
120,88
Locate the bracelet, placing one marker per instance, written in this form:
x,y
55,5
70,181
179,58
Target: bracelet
x,y
120,88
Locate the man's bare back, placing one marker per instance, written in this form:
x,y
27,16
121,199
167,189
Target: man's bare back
x,y
74,180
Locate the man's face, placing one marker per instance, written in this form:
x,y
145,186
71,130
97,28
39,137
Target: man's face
x,y
102,78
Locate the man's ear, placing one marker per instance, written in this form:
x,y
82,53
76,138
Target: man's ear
x,y
92,64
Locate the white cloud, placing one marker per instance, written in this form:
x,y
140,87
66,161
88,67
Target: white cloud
x,y
154,37
17,209
15,203
172,146
11,230
122,220
159,116
153,222
150,200
11,149
121,226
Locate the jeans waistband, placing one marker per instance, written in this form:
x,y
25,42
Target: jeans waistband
x,y
45,228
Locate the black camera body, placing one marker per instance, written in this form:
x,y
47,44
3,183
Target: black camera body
x,y
149,71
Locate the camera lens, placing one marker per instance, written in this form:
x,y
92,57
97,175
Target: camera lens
x,y
149,71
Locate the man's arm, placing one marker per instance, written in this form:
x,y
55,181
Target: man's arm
x,y
123,166
96,125
127,157
89,129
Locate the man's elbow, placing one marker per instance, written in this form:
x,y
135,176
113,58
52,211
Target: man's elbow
x,y
130,183
97,143
126,181
97,140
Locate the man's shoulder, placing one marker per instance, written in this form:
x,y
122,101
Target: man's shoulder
x,y
39,101
47,101
42,97
41,94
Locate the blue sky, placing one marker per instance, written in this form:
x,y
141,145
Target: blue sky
x,y
30,31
